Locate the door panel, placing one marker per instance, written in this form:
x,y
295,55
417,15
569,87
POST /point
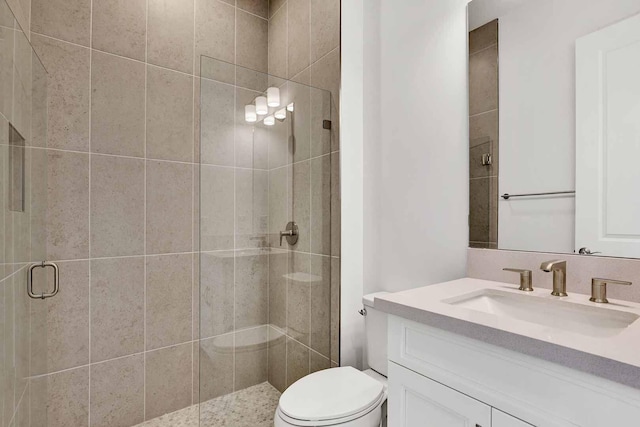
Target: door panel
x,y
608,140
415,400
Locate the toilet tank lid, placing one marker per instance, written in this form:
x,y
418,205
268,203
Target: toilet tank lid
x,y
367,300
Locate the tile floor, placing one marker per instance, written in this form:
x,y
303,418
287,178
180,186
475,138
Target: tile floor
x,y
251,407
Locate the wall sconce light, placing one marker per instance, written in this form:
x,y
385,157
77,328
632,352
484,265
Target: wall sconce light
x,y
281,114
261,106
250,113
273,97
269,121
290,107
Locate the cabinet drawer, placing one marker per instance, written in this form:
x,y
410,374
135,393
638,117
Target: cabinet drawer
x,y
415,400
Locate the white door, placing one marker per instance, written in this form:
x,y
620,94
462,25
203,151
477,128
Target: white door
x,y
608,140
416,401
500,419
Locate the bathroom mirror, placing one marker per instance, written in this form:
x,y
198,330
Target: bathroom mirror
x,y
554,126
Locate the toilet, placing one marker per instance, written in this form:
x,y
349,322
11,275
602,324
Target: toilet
x,y
343,396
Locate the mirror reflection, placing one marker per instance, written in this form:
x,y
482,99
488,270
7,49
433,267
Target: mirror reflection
x,y
554,122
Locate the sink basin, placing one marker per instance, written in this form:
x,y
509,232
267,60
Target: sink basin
x,y
586,320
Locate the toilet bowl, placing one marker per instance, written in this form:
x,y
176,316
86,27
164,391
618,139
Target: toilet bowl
x,y
343,396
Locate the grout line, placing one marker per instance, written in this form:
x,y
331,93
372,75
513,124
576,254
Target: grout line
x,y
484,112
276,11
89,227
144,230
235,205
483,49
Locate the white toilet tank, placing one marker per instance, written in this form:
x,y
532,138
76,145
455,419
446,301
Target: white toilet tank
x,y
375,355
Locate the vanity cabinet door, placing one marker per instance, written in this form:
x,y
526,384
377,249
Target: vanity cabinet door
x,y
500,419
416,401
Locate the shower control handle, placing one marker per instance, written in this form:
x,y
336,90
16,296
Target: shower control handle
x,y
291,233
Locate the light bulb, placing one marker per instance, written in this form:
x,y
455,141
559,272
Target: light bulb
x,y
261,106
290,107
250,113
269,121
281,114
273,97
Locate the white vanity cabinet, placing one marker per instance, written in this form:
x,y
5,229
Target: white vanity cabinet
x,y
442,379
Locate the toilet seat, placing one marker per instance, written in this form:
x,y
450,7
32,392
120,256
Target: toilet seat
x,y
330,397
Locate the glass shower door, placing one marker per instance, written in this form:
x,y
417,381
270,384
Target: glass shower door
x,y
23,207
265,282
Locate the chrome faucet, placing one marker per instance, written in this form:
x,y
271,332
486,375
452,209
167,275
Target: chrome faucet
x,y
559,269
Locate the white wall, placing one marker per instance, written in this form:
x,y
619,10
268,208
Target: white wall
x,y
407,63
537,114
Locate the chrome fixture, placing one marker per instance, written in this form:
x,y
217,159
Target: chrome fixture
x,y
559,269
587,251
487,159
599,289
525,279
291,233
56,280
507,196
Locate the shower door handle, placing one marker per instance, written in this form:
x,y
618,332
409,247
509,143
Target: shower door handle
x,y
291,233
56,280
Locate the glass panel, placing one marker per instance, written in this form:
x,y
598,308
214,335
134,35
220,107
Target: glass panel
x,y
265,299
23,204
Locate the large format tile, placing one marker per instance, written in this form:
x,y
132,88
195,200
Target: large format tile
x,y
320,217
170,34
216,366
117,206
117,105
336,202
256,7
68,20
251,41
216,293
280,204
335,310
251,357
119,26
278,269
168,305
325,27
167,380
169,207
277,359
169,115
117,392
483,81
117,307
217,123
297,361
251,284
299,36
275,6
483,37
252,208
298,297
68,93
68,205
320,327
278,44
302,203
325,74
61,399
318,362
65,317
216,208
215,31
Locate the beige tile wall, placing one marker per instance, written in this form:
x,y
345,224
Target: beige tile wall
x,y
304,46
483,136
124,341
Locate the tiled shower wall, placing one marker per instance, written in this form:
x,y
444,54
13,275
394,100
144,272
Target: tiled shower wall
x,y
123,150
304,46
483,136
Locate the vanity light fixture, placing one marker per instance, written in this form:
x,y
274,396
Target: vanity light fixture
x,y
269,121
290,107
261,106
250,115
273,97
281,114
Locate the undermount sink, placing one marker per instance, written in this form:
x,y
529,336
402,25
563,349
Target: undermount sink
x,y
586,320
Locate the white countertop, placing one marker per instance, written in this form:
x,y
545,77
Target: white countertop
x,y
616,357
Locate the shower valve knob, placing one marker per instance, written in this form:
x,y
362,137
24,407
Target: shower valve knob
x,y
291,233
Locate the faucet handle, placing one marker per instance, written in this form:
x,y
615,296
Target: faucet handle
x,y
599,289
525,278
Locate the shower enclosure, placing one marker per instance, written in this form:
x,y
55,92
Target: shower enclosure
x,y
23,214
268,298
